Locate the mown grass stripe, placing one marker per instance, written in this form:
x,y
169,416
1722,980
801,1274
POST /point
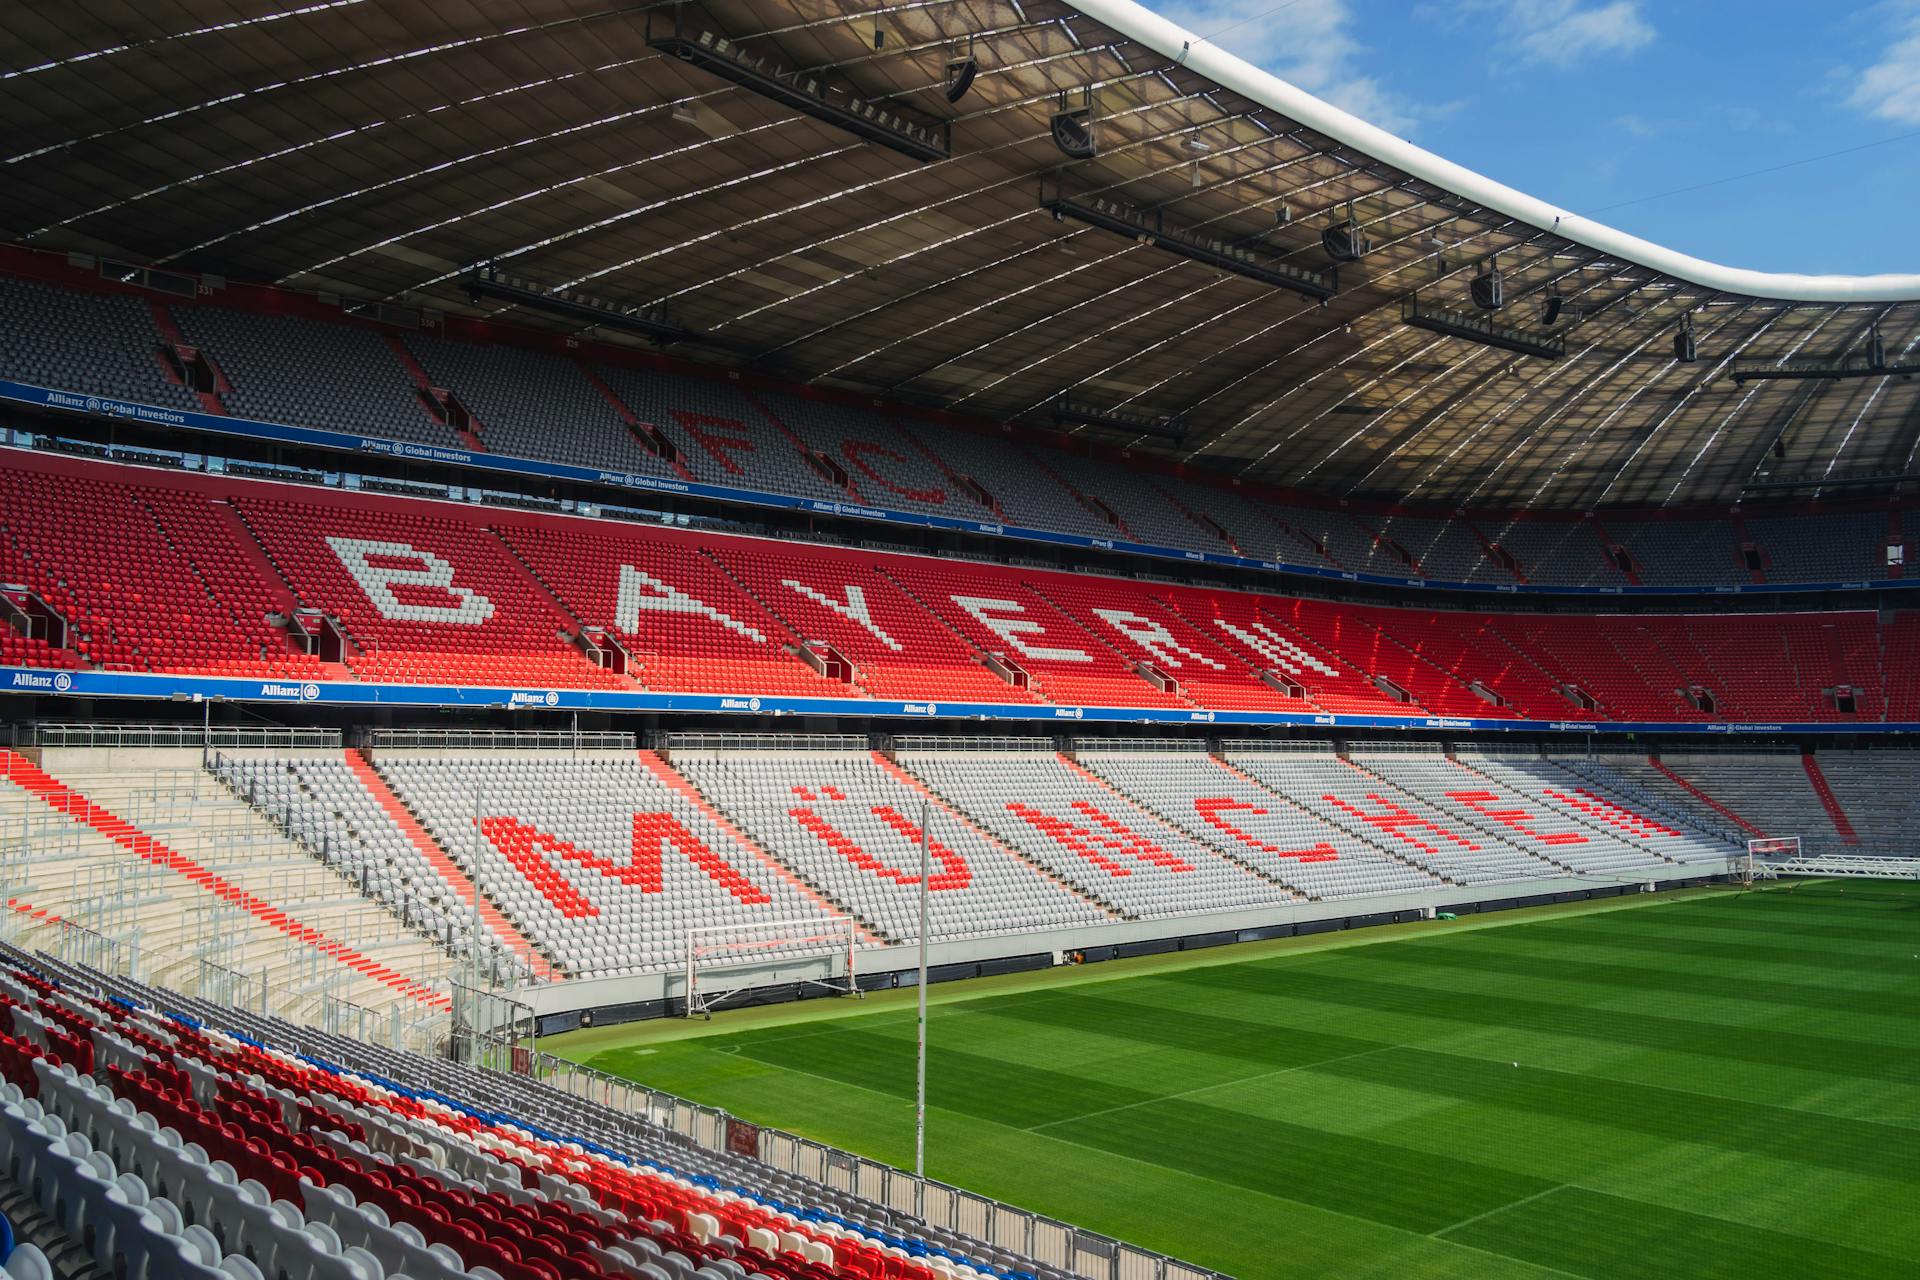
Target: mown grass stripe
x,y
1856,1058
1745,985
1693,1097
1591,1234
1859,1147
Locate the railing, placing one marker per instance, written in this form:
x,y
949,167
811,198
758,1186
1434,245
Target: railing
x,y
1378,747
177,735
501,739
1284,746
1712,748
941,1206
312,826
930,742
1192,746
763,741
403,1024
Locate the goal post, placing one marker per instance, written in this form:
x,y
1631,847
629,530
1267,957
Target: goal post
x,y
1761,856
725,961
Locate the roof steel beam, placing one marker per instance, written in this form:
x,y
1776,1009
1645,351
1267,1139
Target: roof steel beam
x,y
807,93
1148,228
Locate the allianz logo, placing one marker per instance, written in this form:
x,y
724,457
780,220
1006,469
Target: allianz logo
x,y
59,682
1447,722
1573,725
1105,544
308,692
992,528
1066,713
739,704
529,698
1326,719
1200,717
920,708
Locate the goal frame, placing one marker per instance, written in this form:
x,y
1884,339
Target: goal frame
x,y
1757,863
713,949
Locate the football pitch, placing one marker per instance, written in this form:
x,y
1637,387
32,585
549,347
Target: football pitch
x,y
1715,1084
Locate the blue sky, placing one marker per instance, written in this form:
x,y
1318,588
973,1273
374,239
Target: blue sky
x,y
1596,105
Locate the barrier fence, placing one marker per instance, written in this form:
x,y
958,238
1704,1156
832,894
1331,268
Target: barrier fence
x,y
42,734
1045,1240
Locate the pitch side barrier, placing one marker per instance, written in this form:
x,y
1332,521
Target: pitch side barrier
x,y
190,688
217,424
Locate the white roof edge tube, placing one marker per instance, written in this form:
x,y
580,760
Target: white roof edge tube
x,y
1231,72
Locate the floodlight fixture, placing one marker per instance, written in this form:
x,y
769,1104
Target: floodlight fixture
x,y
1147,227
807,92
1069,412
1072,129
1685,349
1342,239
960,76
1488,289
1475,327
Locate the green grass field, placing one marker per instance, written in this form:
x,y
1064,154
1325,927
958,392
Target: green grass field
x,y
1703,1085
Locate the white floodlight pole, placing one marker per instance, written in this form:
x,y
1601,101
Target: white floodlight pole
x,y
473,944
920,1066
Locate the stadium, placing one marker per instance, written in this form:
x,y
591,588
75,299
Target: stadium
x,y
946,641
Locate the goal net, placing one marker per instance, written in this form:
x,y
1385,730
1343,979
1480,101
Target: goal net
x,y
725,962
1757,863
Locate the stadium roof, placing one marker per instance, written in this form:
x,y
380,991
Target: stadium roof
x,y
381,149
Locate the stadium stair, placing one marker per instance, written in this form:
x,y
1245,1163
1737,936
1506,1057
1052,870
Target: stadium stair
x,y
1445,687
449,870
810,457
1685,785
962,483
960,816
163,321
1742,539
1829,801
632,421
1091,505
61,798
1095,780
1607,544
194,1116
1226,851
1360,833
470,434
1509,565
1593,812
654,763
1203,522
280,597
1391,816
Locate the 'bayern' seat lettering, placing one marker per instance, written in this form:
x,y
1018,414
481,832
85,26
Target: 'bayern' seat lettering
x,y
385,569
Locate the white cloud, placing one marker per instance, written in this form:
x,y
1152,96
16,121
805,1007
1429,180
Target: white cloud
x,y
1561,33
1890,88
1309,43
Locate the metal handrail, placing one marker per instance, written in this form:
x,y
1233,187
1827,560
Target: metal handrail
x,y
501,739
945,1207
60,734
763,741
